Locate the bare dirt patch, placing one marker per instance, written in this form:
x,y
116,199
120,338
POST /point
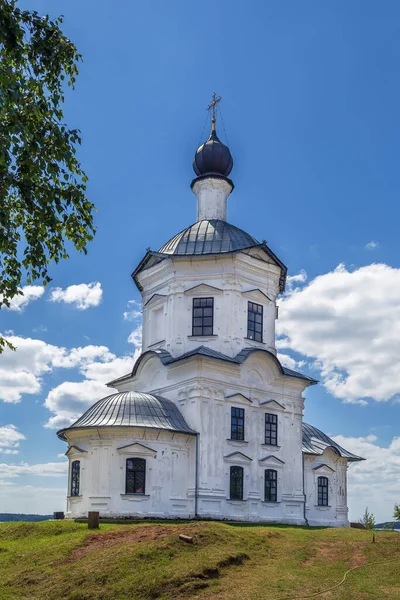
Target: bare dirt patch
x,y
135,535
329,552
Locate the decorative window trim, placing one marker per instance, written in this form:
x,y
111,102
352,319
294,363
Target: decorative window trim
x,y
272,461
257,294
255,318
136,449
272,405
201,330
155,299
239,396
238,458
74,451
203,289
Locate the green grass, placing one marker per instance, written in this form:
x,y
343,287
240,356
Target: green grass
x,y
63,560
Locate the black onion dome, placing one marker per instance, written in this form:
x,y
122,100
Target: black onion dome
x,y
132,409
209,237
213,157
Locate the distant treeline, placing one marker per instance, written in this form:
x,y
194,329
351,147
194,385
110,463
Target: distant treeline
x,y
21,517
388,525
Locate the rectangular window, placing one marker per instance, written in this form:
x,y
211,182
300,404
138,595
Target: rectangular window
x,y
322,491
135,476
236,483
75,477
271,480
255,322
237,423
271,430
203,316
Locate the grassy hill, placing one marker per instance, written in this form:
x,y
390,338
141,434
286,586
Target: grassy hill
x,y
63,560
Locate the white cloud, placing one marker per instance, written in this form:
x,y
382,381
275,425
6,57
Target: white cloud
x,y
10,438
299,278
134,311
21,370
290,362
374,482
28,499
51,469
83,295
371,245
349,323
135,337
21,301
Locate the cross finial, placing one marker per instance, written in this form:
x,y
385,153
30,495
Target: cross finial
x,y
211,107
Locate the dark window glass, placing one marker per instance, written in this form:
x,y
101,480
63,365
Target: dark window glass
x,y
203,316
271,480
237,423
271,430
75,477
135,475
255,322
322,491
236,483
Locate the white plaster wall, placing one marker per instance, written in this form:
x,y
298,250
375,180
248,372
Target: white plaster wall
x,y
170,475
233,280
336,513
212,194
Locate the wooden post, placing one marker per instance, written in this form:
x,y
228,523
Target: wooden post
x,y
93,519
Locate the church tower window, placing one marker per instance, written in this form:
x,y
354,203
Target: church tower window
x,y
322,491
271,486
271,429
236,483
255,322
75,477
203,316
237,423
135,475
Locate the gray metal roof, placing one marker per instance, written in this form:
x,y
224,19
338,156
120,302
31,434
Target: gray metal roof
x,y
209,237
166,358
315,442
132,409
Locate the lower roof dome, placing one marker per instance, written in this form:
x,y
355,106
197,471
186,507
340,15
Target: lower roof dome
x,y
209,237
132,409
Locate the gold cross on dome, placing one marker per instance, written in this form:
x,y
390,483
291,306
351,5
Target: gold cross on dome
x,y
211,107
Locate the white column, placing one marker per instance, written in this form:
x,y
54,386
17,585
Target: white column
x,y
212,195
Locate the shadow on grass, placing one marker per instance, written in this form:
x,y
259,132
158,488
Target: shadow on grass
x,y
144,521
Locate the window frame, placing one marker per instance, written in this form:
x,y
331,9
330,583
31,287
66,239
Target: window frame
x,y
237,421
272,485
272,430
75,484
236,482
202,316
134,472
252,334
322,491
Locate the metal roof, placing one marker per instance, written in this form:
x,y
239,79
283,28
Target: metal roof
x,y
132,409
213,157
209,237
315,442
166,358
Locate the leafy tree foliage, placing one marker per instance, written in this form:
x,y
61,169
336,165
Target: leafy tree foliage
x,y
43,205
368,520
396,514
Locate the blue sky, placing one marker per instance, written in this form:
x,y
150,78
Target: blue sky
x,y
311,109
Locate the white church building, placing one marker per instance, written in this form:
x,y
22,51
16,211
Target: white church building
x,y
209,423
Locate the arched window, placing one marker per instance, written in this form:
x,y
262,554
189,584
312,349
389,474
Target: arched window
x,y
322,491
135,476
236,492
271,480
75,477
